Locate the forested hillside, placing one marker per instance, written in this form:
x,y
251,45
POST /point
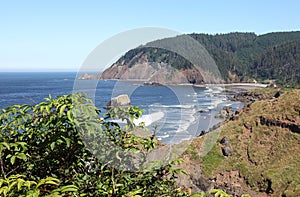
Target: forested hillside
x,y
240,57
286,58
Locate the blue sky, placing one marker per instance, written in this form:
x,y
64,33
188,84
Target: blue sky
x,y
58,35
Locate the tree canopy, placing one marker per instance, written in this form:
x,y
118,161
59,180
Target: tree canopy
x,y
241,54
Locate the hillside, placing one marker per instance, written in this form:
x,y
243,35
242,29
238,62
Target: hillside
x,y
240,57
287,59
263,142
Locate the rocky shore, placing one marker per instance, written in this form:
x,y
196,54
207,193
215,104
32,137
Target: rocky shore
x,y
253,149
249,97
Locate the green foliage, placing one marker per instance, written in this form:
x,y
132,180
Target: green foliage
x,y
249,56
155,55
219,193
62,147
15,185
215,193
286,59
212,160
66,139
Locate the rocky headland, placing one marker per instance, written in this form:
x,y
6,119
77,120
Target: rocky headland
x,y
255,153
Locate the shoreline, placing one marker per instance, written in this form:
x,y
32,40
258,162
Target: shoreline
x,y
212,119
243,85
229,90
206,85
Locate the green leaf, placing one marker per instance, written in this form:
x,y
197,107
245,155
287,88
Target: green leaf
x,y
62,109
69,114
4,190
22,156
8,156
53,194
12,185
12,160
69,188
134,193
51,183
59,141
48,181
6,145
47,109
41,182
33,193
20,184
52,145
28,184
67,140
23,144
52,179
202,194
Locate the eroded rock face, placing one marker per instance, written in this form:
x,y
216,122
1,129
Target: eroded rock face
x,y
194,178
155,72
232,183
227,151
121,100
292,126
225,140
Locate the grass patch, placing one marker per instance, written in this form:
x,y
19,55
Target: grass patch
x,y
240,131
212,160
192,152
261,153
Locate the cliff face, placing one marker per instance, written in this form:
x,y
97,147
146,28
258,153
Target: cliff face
x,y
158,72
239,57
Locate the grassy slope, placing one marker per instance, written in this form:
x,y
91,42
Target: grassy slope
x,y
267,157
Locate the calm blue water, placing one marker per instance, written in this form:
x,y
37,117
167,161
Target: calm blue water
x,y
30,88
179,105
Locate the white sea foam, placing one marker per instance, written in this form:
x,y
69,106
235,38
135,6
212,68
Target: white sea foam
x,y
150,118
177,122
172,106
208,90
160,137
211,107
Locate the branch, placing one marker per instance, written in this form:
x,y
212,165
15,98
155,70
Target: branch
x,y
12,170
2,168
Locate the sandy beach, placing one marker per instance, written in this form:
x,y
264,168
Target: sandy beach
x,y
246,86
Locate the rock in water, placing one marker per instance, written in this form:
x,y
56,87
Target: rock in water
x,y
202,110
121,100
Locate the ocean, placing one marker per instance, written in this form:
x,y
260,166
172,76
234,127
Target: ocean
x,y
173,109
